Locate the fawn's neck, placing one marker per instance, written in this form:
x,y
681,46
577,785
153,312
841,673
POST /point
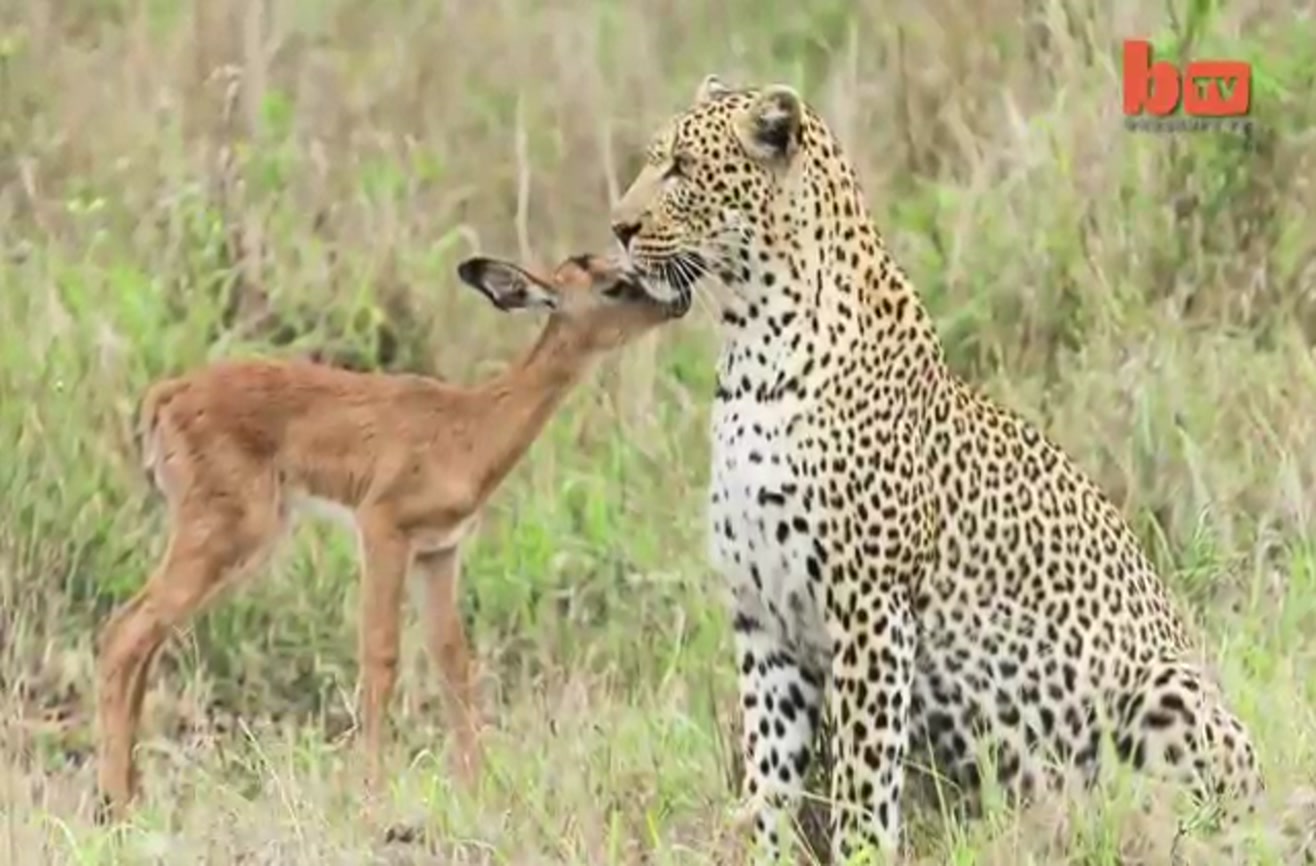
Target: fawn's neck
x,y
518,402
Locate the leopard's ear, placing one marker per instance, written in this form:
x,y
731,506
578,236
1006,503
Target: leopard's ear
x,y
772,127
709,89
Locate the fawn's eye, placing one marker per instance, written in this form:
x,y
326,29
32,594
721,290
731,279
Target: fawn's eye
x,y
624,289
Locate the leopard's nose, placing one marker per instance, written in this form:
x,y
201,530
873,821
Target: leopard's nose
x,y
624,231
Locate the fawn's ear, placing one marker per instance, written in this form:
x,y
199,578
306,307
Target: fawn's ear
x,y
507,286
772,126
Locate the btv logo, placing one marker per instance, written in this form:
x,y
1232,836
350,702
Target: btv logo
x,y
1209,88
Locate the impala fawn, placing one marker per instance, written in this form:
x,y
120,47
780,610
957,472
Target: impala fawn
x,y
236,446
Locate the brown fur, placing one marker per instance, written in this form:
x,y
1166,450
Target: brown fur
x,y
235,445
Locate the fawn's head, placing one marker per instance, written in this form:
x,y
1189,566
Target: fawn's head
x,y
593,296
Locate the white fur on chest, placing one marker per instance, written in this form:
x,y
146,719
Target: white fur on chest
x,y
755,539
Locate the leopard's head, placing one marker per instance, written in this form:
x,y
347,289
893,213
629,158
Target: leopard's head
x,y
710,194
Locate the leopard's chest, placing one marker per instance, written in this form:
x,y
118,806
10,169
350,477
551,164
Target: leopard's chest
x,y
761,531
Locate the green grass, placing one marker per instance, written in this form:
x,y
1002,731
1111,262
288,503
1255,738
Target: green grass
x,y
1149,299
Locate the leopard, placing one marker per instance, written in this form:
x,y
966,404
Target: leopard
x,y
907,563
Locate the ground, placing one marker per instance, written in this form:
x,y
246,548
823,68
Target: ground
x,y
1145,297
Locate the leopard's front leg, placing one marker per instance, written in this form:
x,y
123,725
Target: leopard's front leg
x,y
871,681
780,703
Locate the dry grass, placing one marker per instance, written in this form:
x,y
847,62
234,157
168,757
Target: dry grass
x,y
184,180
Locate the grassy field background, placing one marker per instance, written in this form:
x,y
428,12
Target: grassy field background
x,y
182,181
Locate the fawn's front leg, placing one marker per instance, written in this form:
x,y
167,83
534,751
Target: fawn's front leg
x,y
438,574
385,551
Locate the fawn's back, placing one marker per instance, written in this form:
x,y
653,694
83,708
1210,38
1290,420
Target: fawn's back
x,y
310,433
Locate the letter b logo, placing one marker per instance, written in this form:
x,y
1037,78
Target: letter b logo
x,y
1151,86
1211,88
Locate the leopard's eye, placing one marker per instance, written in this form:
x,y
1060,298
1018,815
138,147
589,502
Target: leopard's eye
x,y
679,166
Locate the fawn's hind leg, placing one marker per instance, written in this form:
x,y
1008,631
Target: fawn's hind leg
x,y
206,551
